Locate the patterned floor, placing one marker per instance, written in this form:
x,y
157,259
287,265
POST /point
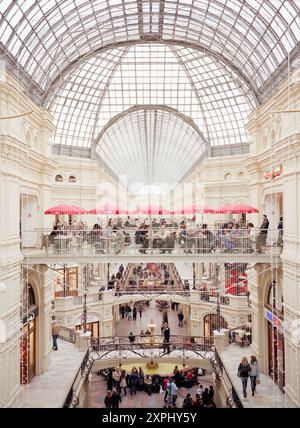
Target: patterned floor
x,y
141,399
125,327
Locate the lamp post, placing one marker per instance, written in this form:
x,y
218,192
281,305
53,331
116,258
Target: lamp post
x,y
84,311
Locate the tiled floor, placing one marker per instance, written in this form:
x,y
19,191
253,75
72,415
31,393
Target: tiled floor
x,y
50,389
141,399
268,394
125,327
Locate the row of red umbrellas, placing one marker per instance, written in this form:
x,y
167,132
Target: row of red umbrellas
x,y
153,209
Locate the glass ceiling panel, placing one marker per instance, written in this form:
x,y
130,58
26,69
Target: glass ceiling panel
x,y
194,84
253,36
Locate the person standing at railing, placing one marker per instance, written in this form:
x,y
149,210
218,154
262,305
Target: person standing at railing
x,y
280,233
263,234
244,371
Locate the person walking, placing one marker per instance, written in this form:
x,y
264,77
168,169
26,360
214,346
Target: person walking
x,y
108,400
254,373
140,310
134,312
180,319
133,381
115,399
123,383
55,333
167,334
244,370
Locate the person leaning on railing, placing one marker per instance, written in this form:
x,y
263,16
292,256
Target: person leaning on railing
x,y
263,233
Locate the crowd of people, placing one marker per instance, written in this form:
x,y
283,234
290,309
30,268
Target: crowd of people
x,y
165,234
119,383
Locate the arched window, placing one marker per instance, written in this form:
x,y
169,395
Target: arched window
x,y
72,179
241,175
59,178
227,176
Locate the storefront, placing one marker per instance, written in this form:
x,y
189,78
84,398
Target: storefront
x,y
92,325
213,322
28,336
66,281
273,313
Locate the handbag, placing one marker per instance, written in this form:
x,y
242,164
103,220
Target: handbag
x,y
257,381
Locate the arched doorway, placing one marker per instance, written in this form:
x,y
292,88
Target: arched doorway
x,y
274,315
213,322
28,335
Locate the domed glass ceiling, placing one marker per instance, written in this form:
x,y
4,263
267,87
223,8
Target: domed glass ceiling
x,y
198,66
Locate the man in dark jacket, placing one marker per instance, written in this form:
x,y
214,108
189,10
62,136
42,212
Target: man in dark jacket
x,y
115,399
180,319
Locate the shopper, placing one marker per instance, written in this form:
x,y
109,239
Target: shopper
x,y
243,372
131,338
262,237
123,383
134,312
254,373
55,333
180,319
188,402
115,399
108,400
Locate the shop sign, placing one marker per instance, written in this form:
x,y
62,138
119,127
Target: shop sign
x,y
274,320
273,172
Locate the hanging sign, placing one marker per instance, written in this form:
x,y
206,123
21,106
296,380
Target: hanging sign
x,y
273,172
274,320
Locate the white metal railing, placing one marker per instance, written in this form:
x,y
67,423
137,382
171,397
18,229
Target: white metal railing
x,y
68,242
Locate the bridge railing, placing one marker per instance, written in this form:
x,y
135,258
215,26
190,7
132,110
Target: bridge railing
x,y
68,242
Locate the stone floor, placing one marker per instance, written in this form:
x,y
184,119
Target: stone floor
x,y
141,399
125,327
268,394
50,389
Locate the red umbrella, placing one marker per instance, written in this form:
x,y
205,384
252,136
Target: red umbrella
x,y
195,209
153,209
65,209
236,209
108,209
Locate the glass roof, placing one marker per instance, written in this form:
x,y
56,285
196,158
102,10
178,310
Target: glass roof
x,y
199,66
187,80
47,37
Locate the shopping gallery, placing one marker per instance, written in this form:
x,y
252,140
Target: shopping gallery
x,y
149,203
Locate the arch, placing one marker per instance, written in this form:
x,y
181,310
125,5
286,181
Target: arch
x,y
272,137
72,179
59,178
155,144
227,176
212,322
241,175
28,138
264,143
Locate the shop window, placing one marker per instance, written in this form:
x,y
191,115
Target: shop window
x,y
59,178
72,179
66,282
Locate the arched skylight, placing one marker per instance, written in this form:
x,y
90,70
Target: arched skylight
x,y
151,144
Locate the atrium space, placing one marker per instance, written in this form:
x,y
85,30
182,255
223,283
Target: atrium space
x,y
150,204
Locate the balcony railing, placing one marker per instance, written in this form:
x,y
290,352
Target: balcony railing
x,y
67,334
152,347
68,242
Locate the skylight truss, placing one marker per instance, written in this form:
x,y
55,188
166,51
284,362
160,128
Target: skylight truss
x,y
150,144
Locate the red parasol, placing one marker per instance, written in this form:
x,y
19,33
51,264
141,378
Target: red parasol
x,y
195,209
108,209
236,209
153,209
65,209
